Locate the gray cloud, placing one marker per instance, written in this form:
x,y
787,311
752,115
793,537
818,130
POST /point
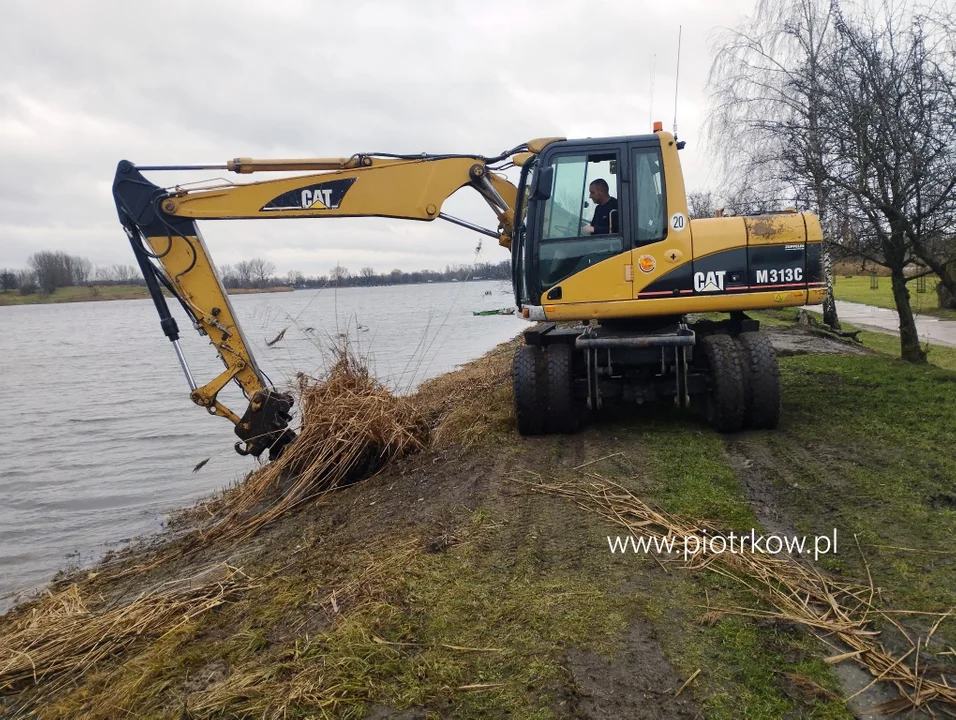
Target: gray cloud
x,y
87,84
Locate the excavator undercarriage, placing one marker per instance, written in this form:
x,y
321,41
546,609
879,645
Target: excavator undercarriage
x,y
728,368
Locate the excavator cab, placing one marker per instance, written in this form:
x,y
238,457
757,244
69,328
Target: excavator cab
x,y
561,254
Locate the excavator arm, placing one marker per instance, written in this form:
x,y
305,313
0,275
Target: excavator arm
x,y
162,230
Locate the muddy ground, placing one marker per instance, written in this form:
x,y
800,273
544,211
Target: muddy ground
x,y
508,603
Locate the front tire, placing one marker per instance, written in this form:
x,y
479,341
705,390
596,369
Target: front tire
x,y
725,405
562,410
762,376
529,379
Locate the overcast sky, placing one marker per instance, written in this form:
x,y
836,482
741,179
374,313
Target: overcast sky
x,y
86,84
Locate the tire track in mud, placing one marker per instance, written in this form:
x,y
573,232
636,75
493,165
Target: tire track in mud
x,y
759,471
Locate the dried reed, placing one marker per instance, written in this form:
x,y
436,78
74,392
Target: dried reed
x,y
352,426
61,637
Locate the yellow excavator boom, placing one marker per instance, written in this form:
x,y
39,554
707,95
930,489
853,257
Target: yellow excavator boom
x,y
160,223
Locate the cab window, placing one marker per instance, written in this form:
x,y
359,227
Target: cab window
x,y
582,222
650,208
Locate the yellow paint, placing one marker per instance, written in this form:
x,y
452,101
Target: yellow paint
x,y
714,235
194,276
814,231
679,243
539,144
605,280
400,189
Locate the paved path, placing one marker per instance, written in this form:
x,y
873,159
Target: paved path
x,y
930,329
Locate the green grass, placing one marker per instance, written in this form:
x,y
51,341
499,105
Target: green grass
x,y
874,461
90,293
857,289
78,293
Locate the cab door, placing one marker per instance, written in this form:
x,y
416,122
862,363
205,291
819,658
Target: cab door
x,y
574,265
661,233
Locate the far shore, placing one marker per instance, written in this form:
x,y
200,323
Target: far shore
x,y
93,293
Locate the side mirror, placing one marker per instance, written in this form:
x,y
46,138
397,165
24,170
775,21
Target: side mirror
x,y
543,180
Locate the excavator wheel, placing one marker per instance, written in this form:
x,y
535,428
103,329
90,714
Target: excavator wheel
x,y
529,377
562,410
761,381
726,403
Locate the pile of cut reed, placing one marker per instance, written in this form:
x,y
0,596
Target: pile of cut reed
x,y
352,426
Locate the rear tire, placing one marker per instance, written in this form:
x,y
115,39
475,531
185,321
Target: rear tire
x,y
528,376
562,410
725,405
762,381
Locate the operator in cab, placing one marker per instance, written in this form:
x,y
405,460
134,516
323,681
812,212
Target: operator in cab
x,y
606,218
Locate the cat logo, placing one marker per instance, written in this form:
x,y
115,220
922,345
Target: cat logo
x,y
709,282
319,196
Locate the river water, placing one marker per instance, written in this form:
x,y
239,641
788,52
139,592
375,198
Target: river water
x,y
100,437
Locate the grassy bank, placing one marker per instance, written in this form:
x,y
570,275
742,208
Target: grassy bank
x,y
92,293
857,289
460,583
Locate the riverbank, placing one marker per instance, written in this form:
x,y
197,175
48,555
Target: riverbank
x,y
474,578
93,293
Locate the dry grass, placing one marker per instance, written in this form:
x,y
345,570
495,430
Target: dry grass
x,y
465,406
65,634
842,615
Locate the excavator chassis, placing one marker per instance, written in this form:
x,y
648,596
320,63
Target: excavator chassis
x,y
728,369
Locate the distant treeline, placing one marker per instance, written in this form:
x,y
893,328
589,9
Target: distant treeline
x,y
48,270
367,276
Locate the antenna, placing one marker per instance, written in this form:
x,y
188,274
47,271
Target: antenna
x,y
680,29
650,104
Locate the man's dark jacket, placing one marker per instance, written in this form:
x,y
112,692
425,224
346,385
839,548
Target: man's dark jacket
x,y
601,222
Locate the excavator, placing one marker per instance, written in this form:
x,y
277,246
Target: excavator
x,y
616,309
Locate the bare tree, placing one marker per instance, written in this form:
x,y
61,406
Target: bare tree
x,y
104,274
295,278
27,282
368,272
244,273
228,276
701,204
765,84
339,273
888,123
261,272
127,274
81,270
50,269
862,120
